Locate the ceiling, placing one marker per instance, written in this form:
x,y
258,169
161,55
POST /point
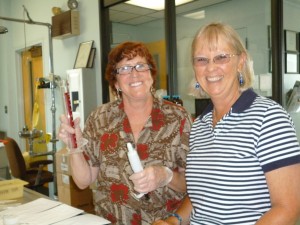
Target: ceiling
x,y
135,15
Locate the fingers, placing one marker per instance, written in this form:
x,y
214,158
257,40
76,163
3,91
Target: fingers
x,y
77,122
65,129
145,181
151,178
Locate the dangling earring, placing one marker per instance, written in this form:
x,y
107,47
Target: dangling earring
x,y
241,79
197,85
152,90
118,93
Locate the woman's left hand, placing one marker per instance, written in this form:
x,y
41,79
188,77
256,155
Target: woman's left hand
x,y
151,178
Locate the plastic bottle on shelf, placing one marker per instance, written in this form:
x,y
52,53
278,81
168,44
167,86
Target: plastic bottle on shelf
x,y
167,97
177,100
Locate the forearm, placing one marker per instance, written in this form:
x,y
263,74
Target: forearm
x,y
81,171
184,211
279,216
178,181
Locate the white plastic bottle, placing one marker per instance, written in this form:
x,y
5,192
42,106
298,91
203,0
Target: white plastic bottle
x,y
134,159
135,163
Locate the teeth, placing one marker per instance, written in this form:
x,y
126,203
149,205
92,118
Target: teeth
x,y
213,79
135,84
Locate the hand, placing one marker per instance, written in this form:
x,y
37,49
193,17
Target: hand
x,y
65,130
151,178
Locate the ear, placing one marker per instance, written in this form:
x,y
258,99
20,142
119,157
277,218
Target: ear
x,y
117,85
242,61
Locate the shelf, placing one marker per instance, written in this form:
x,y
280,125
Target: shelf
x,y
66,24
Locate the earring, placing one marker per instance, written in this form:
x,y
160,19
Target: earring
x,y
241,79
152,90
197,85
118,93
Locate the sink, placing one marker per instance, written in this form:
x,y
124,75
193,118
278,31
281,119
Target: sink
x,y
31,134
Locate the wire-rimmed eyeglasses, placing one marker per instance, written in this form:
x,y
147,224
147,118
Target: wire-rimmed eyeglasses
x,y
218,59
124,70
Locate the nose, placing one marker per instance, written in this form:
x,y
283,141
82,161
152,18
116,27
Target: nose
x,y
134,72
210,65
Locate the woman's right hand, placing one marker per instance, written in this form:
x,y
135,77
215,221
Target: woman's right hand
x,y
65,129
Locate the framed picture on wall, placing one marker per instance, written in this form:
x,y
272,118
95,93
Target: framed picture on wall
x,y
291,41
292,62
91,60
83,54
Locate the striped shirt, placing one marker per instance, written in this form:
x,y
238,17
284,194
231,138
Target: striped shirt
x,y
227,163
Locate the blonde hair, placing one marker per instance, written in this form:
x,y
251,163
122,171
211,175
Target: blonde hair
x,y
212,33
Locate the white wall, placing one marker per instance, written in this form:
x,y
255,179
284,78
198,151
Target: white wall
x,y
64,54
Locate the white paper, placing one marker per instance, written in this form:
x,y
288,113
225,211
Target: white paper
x,y
42,212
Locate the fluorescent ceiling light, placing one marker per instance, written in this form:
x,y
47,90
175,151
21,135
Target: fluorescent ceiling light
x,y
196,15
154,4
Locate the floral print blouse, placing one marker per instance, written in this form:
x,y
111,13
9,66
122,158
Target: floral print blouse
x,y
163,141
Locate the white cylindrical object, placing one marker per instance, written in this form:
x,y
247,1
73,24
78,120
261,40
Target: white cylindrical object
x,y
134,159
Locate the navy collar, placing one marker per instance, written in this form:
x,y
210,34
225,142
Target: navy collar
x,y
245,100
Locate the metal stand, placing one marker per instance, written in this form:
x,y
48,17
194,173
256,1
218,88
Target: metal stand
x,y
52,87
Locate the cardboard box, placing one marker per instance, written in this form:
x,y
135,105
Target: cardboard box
x,y
70,194
63,162
11,189
67,190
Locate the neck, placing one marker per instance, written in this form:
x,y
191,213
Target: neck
x,y
138,107
222,106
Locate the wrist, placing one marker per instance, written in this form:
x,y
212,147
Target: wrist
x,y
174,218
169,175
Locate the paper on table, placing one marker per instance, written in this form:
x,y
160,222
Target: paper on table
x,y
42,212
35,206
87,219
52,215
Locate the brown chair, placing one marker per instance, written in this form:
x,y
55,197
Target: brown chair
x,y
35,175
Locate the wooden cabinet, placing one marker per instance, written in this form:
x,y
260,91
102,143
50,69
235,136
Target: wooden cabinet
x,y
66,24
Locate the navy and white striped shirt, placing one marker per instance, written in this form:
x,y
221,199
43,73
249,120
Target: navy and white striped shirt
x,y
227,163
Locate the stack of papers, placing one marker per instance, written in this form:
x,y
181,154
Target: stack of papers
x,y
45,212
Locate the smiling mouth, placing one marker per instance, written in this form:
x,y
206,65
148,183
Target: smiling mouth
x,y
135,84
214,79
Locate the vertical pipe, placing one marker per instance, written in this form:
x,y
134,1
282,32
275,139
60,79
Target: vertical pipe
x,y
278,63
53,108
170,33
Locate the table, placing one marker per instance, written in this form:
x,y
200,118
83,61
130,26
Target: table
x,y
30,195
36,208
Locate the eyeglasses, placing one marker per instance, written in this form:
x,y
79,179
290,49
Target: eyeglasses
x,y
218,59
141,67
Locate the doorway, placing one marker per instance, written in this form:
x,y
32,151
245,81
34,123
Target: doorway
x,y
33,98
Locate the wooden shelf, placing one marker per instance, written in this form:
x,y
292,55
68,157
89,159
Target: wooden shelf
x,y
66,24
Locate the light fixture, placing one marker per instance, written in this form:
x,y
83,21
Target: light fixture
x,y
154,4
196,15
